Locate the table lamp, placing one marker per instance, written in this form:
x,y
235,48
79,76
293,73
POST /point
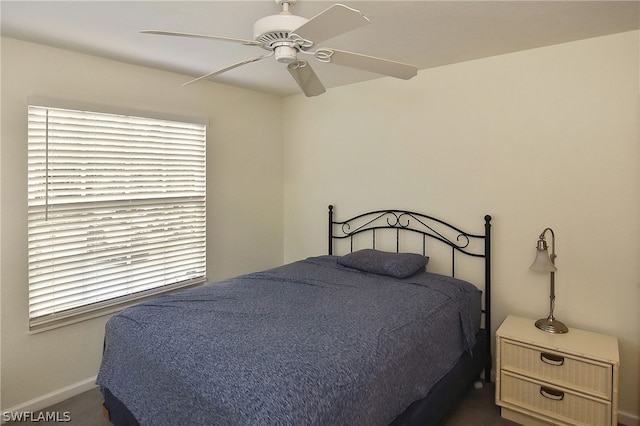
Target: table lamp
x,y
546,263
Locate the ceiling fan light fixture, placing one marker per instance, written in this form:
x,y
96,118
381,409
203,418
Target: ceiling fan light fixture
x,y
286,54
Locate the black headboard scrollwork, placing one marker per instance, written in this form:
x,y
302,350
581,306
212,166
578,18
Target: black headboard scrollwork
x,y
427,228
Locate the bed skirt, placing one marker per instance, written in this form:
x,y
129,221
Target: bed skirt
x,y
449,390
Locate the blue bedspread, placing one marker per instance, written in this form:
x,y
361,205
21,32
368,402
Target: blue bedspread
x,y
309,343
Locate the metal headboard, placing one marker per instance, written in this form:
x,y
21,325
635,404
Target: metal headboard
x,y
428,228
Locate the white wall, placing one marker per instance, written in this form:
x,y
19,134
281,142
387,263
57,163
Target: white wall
x,y
244,174
547,137
541,138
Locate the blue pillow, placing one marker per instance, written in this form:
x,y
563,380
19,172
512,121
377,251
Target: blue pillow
x,y
398,265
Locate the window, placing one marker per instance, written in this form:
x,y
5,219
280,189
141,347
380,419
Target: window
x,y
116,211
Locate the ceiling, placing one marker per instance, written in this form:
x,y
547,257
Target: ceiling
x,y
423,33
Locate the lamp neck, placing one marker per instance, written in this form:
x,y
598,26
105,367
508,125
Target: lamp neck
x,y
552,256
552,275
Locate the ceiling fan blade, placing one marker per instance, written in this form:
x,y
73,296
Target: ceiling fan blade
x,y
179,34
367,63
228,68
306,78
336,20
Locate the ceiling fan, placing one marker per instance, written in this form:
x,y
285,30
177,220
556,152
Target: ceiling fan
x,y
286,35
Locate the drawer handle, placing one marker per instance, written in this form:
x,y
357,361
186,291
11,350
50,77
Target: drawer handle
x,y
550,393
551,359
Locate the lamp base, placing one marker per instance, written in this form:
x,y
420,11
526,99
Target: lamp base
x,y
551,325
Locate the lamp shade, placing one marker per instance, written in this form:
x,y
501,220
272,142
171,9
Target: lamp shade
x,y
542,263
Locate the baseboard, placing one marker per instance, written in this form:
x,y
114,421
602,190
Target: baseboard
x,y
628,419
52,398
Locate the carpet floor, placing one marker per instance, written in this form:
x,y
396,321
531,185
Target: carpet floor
x,y
476,409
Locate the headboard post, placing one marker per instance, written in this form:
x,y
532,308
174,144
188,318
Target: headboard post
x,y
487,294
330,251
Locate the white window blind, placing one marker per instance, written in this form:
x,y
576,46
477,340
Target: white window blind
x,y
116,210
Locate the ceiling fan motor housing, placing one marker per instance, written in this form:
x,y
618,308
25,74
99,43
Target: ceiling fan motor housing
x,y
274,29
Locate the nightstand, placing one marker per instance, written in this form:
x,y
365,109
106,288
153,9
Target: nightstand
x,y
558,379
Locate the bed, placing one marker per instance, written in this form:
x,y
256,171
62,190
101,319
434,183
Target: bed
x,y
369,336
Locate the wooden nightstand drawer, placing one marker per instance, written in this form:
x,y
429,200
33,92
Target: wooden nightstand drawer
x,y
546,401
579,374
